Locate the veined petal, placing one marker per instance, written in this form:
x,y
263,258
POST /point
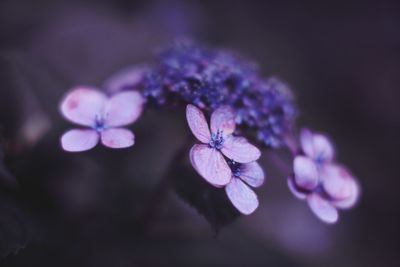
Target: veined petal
x,y
305,173
240,150
211,165
83,105
223,119
117,138
198,124
123,108
79,140
322,208
252,174
295,190
242,197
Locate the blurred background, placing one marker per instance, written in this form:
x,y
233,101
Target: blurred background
x,y
112,208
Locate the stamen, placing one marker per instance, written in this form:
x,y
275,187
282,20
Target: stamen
x,y
99,124
235,167
217,140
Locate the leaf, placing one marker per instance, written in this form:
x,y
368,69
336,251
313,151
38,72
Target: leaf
x,y
15,228
209,201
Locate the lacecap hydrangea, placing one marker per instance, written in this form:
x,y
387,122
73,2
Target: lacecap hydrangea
x,y
187,73
232,111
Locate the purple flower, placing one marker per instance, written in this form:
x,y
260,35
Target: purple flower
x,y
325,185
186,73
127,79
89,107
208,158
238,191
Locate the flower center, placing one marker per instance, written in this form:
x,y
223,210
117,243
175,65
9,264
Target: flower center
x,y
99,124
217,140
318,189
319,159
235,167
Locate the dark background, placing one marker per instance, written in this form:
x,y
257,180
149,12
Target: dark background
x,y
341,60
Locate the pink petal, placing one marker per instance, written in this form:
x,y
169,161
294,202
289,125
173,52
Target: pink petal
x,y
306,142
252,174
117,138
123,108
337,182
240,150
83,105
242,197
350,201
223,119
126,78
305,173
79,140
323,148
295,191
322,208
210,164
340,185
316,146
197,123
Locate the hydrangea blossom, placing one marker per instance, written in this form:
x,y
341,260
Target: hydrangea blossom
x,y
103,115
209,161
238,101
238,191
191,74
325,185
208,158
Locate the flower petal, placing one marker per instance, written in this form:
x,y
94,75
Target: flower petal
x,y
350,201
252,174
240,150
322,208
241,196
223,119
128,78
211,165
79,140
82,105
198,124
305,173
323,148
340,185
316,146
117,138
295,190
306,142
123,108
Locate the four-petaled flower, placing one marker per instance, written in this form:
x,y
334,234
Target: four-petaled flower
x,y
325,185
209,161
104,115
239,193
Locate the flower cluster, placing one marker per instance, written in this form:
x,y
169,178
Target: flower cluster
x,y
225,160
185,73
325,185
230,91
